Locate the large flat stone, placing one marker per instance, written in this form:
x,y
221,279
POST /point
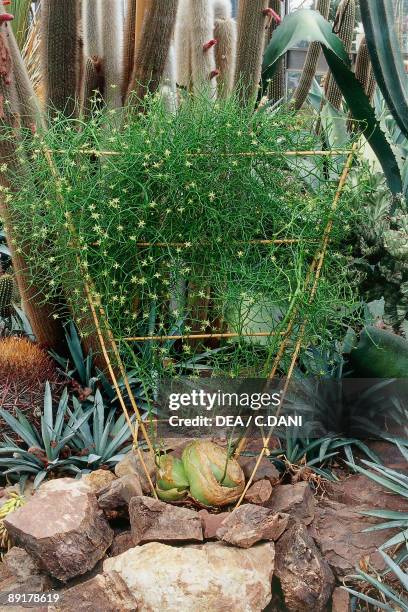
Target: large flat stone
x,y
209,577
294,499
249,524
62,528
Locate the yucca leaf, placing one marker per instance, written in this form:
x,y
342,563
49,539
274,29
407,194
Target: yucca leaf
x,y
98,419
61,412
306,25
387,514
401,575
390,525
370,600
381,480
105,434
39,478
400,538
47,422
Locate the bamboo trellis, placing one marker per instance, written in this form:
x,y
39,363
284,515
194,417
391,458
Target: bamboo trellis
x,y
106,338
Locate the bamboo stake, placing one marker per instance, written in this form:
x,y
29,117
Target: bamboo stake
x,y
199,337
320,256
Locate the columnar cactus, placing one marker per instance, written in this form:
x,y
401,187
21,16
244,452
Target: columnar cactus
x,y
225,33
112,42
60,53
93,77
344,28
152,53
364,71
6,295
183,44
129,44
252,19
204,70
277,86
311,62
46,328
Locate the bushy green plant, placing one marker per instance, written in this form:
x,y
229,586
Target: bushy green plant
x,y
170,208
71,441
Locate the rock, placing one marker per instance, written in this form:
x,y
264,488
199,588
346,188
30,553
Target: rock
x,y
358,490
20,564
211,522
131,464
338,531
19,573
207,577
99,480
62,528
249,524
259,492
121,543
306,579
105,592
340,600
294,499
153,520
266,469
119,492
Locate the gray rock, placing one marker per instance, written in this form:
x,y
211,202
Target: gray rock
x,y
119,492
294,499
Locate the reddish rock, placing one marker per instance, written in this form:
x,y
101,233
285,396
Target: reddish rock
x,y
338,531
211,522
121,543
294,499
266,469
19,573
259,492
62,528
306,579
250,523
340,600
358,490
98,480
131,464
152,520
120,492
105,592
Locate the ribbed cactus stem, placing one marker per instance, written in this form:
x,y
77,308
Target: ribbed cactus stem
x,y
60,53
203,66
6,295
225,32
154,47
344,28
311,61
142,9
112,43
363,65
252,20
94,85
92,27
183,44
129,44
277,86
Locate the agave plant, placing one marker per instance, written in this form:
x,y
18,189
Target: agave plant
x,y
391,598
71,441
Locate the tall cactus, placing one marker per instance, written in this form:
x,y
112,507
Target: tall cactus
x,y
277,86
129,44
183,44
6,295
60,53
364,71
225,33
344,28
201,14
112,42
311,61
47,329
252,20
154,46
93,77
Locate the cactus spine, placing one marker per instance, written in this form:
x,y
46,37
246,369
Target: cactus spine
x,y
153,50
277,86
344,28
252,19
364,71
6,294
60,53
312,59
112,53
201,15
129,44
225,32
